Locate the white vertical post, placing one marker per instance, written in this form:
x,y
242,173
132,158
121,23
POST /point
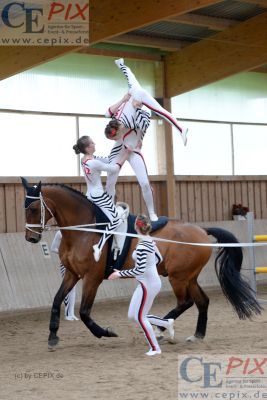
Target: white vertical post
x,y
232,148
251,251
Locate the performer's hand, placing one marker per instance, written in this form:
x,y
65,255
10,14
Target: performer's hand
x,y
114,275
126,97
129,149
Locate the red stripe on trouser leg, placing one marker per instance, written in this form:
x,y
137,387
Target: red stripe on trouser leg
x,y
141,155
140,317
168,117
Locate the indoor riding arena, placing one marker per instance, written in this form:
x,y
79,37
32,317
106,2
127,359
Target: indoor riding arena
x,y
133,145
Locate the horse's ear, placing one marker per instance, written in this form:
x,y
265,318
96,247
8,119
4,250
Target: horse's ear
x,y
24,183
39,187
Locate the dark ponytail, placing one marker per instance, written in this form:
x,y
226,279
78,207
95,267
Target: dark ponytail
x,y
81,145
76,149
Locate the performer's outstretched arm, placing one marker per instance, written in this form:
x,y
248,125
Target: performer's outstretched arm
x,y
115,107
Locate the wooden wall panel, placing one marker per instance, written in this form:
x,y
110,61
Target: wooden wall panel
x,y
205,201
10,202
263,199
198,198
20,212
2,210
215,196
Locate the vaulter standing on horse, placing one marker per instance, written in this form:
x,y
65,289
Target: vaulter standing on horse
x,y
146,256
92,167
124,136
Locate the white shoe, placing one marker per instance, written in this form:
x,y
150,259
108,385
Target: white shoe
x,y
184,135
97,252
153,217
153,352
71,318
171,328
119,62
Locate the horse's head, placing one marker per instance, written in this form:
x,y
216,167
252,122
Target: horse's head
x,y
37,213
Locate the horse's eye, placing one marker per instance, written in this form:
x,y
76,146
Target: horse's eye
x,y
34,210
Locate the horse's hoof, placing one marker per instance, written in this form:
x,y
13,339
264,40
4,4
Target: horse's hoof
x,y
193,339
172,340
52,343
110,333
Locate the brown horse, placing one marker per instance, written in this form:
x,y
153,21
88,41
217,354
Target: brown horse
x,y
181,263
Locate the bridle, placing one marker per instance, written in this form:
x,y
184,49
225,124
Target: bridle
x,y
43,207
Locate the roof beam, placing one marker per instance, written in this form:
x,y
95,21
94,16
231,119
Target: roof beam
x,y
113,18
237,49
214,23
123,53
262,70
148,41
15,59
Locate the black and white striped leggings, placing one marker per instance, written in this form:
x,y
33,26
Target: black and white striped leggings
x,y
105,203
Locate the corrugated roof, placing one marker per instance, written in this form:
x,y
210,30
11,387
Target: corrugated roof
x,y
232,9
176,31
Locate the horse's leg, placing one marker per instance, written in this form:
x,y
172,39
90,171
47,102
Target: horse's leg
x,y
202,303
184,302
90,286
180,308
69,281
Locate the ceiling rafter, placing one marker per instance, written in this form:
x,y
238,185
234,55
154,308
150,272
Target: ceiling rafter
x,y
237,49
113,18
148,41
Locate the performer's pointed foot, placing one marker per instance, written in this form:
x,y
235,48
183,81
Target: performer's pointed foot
x,y
153,217
153,352
184,135
119,62
97,252
71,318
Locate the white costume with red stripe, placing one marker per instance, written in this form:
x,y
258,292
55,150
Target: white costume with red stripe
x,y
146,256
131,138
141,95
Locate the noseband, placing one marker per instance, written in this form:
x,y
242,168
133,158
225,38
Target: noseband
x,y
44,207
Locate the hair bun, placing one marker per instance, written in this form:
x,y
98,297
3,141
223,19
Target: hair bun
x,y
76,149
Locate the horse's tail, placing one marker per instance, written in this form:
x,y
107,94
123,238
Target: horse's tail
x,y
228,264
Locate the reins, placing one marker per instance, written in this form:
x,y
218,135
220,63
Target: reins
x,y
43,226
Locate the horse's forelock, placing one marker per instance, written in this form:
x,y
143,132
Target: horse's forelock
x,y
33,191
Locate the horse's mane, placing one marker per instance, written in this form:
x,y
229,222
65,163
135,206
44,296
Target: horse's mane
x,y
70,189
